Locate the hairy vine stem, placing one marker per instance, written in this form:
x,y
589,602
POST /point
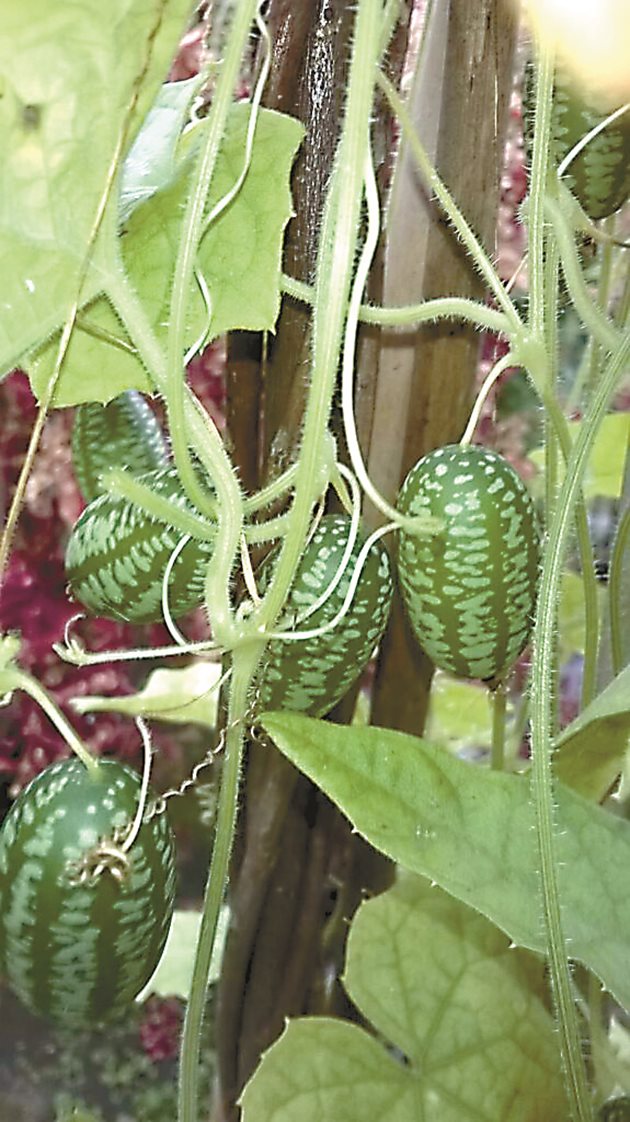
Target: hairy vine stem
x,y
544,661
472,244
412,315
543,676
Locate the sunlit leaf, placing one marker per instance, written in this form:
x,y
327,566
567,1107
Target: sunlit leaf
x,y
239,258
74,79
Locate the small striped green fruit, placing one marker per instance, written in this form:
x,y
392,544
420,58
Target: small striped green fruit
x,y
125,433
599,176
470,591
76,945
117,554
312,675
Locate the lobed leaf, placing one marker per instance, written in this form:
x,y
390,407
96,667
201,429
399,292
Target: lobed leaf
x,y
239,258
466,1035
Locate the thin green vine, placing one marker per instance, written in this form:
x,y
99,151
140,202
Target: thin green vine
x,y
412,315
335,262
544,660
12,678
542,686
469,239
615,587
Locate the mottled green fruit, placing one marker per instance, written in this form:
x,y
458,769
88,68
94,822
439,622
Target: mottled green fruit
x,y
599,176
615,1110
78,953
117,555
312,675
470,590
122,434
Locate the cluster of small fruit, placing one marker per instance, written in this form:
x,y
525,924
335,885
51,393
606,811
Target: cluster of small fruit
x,y
69,875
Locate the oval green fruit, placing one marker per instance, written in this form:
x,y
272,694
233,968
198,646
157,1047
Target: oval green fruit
x,y
117,555
312,675
77,946
470,590
599,175
125,433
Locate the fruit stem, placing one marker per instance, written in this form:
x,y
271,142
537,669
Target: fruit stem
x,y
499,367
498,701
14,679
121,484
600,326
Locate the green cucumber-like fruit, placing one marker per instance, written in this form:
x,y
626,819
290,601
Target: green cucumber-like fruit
x,y
470,590
77,945
117,554
599,176
125,433
312,675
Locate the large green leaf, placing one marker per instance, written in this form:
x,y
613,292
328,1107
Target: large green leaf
x,y
589,752
473,1041
471,830
74,79
239,257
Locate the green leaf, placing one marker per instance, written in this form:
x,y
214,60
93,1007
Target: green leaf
x,y
589,752
322,1069
151,162
185,695
239,257
472,831
441,985
604,474
571,622
74,79
173,973
459,714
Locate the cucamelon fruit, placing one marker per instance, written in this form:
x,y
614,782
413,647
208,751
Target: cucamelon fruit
x,y
470,590
125,433
599,175
312,675
77,945
117,554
